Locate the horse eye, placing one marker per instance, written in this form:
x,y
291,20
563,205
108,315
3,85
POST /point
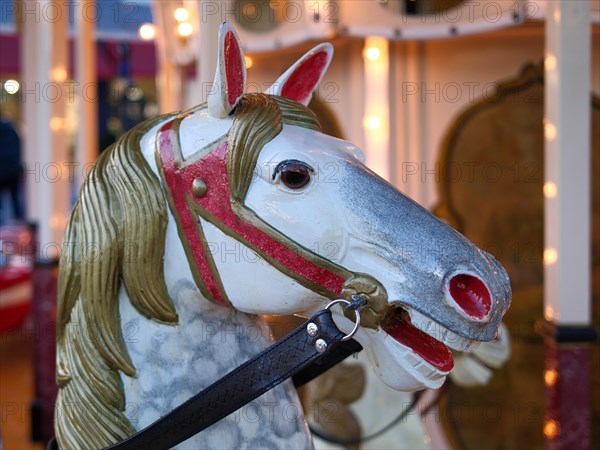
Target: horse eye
x,y
294,174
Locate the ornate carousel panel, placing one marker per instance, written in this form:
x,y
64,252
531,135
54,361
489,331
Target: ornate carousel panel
x,y
500,205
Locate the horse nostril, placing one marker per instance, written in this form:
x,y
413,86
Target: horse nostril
x,y
471,295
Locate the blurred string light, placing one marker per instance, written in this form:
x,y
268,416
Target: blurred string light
x,y
147,31
59,74
551,428
376,108
550,189
550,131
372,53
550,62
11,86
184,29
372,122
248,60
56,123
550,377
181,15
550,256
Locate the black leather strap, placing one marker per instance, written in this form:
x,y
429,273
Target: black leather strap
x,y
242,385
310,372
326,362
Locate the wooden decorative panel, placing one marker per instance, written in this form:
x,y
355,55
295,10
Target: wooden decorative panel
x,y
491,181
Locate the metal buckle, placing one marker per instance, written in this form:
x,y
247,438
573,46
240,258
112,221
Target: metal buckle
x,y
356,312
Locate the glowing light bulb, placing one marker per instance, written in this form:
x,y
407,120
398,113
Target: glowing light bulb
x,y
249,62
556,16
59,74
147,31
550,256
56,123
181,14
11,86
373,53
550,377
550,189
372,122
551,428
550,131
184,29
550,62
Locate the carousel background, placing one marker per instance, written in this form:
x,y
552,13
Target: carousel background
x,y
454,102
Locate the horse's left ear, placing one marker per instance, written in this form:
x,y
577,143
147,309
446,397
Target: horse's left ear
x,y
230,76
300,81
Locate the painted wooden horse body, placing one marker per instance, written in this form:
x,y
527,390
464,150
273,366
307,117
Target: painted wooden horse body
x,y
230,203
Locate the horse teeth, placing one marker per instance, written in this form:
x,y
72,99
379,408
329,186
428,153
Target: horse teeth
x,y
424,369
440,332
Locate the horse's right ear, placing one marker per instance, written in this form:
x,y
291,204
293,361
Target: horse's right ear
x,y
230,77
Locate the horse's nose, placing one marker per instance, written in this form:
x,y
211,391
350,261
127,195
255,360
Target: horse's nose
x,y
470,295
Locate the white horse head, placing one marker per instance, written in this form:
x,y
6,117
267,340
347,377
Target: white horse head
x,y
243,206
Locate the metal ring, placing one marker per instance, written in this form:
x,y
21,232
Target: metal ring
x,y
356,313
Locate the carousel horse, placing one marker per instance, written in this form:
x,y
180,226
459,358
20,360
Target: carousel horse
x,y
194,224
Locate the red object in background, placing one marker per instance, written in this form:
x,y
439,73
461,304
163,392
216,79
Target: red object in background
x,y
142,58
15,296
568,394
16,288
45,284
567,379
29,284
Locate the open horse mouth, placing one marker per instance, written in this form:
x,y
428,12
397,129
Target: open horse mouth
x,y
425,337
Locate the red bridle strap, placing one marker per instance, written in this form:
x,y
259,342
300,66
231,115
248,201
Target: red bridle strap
x,y
214,206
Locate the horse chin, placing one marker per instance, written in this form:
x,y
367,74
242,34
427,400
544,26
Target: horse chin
x,y
399,366
410,351
420,345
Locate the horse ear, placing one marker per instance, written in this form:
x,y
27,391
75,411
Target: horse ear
x,y
230,76
300,81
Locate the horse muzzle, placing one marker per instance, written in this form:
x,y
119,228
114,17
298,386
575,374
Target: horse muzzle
x,y
429,270
464,307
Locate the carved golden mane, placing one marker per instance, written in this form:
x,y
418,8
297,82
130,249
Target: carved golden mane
x,y
116,234
116,237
